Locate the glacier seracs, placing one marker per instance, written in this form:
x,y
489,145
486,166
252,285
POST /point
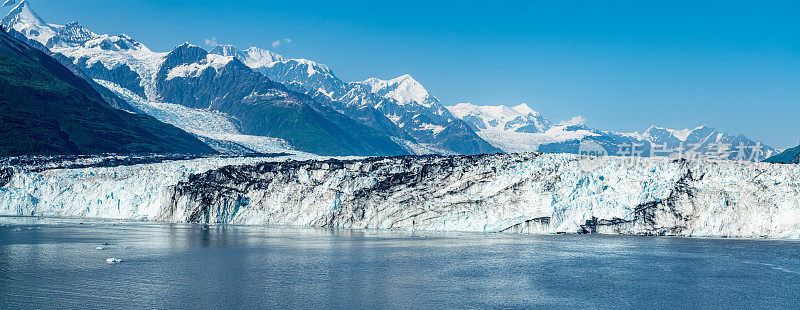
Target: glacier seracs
x,y
522,193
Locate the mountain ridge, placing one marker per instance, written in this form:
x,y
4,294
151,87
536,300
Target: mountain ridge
x,y
789,156
261,106
501,125
375,103
399,108
46,109
123,64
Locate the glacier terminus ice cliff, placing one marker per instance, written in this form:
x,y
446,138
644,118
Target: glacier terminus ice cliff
x,y
510,193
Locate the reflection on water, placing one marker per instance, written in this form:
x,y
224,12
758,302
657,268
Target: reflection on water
x,y
54,263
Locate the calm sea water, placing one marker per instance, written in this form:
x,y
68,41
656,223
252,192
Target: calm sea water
x,y
54,263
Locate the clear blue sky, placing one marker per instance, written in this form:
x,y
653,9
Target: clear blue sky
x,y
623,65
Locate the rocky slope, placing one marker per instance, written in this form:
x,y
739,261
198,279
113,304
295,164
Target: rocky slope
x,y
790,156
527,193
178,86
194,78
400,107
46,109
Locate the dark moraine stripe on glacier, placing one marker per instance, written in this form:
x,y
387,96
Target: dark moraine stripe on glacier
x,y
216,196
214,191
651,214
6,174
39,163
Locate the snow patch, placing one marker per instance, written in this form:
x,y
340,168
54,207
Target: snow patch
x,y
434,129
210,124
405,89
501,118
26,21
214,61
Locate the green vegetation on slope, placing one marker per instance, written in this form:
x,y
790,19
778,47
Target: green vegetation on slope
x,y
45,109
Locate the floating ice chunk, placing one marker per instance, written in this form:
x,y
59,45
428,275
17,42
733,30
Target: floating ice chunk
x,y
99,248
112,260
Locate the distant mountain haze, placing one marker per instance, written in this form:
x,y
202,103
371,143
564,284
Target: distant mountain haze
x,y
522,129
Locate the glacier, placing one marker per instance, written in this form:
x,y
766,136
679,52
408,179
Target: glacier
x,y
216,129
424,126
510,193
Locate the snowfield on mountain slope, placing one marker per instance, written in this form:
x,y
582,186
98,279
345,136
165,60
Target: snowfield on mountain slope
x,y
525,193
404,89
209,124
196,69
78,43
521,142
522,129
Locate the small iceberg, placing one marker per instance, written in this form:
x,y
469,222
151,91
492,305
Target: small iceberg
x,y
99,248
112,260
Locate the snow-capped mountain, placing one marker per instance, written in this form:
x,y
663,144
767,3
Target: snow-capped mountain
x,y
74,33
193,78
521,129
253,57
47,109
707,141
400,107
520,118
116,58
405,89
123,64
177,87
25,21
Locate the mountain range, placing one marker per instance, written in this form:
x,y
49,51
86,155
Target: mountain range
x,y
193,78
401,107
249,90
253,100
522,129
46,109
